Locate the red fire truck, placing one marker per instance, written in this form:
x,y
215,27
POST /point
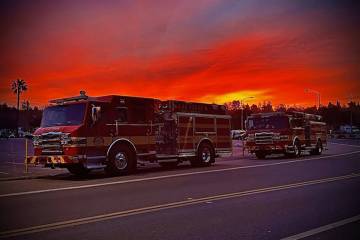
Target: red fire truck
x,y
119,132
290,133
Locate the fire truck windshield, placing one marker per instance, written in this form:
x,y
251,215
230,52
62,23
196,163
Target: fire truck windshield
x,y
272,122
63,115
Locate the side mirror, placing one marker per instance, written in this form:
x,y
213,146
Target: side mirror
x,y
95,114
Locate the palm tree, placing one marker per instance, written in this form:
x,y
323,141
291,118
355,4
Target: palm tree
x,y
18,86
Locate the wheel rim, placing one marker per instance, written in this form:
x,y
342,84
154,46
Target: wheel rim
x,y
296,149
121,161
206,155
319,148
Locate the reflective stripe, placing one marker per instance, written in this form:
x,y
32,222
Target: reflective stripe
x,y
107,141
57,159
204,125
203,115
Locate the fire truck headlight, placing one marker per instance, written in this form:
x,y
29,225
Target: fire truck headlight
x,y
36,140
65,139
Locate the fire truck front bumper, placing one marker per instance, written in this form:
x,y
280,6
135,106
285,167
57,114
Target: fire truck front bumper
x,y
54,161
269,148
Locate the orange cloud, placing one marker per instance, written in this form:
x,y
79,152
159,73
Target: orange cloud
x,y
200,52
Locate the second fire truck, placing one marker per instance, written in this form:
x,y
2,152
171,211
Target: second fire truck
x,y
290,133
119,132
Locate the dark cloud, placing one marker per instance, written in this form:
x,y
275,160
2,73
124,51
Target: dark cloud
x,y
195,49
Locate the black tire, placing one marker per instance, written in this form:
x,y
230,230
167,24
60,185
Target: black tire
x,y
318,149
168,164
205,156
260,155
122,160
78,170
297,149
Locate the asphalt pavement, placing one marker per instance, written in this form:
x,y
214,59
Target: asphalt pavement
x,y
311,197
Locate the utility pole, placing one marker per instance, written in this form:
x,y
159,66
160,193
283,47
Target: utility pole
x,y
351,117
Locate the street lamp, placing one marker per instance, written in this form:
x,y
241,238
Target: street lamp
x,y
351,115
317,93
242,111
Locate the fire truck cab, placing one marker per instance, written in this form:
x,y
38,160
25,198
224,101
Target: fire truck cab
x,y
118,133
290,133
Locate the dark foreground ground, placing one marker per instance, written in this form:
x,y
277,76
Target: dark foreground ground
x,y
237,198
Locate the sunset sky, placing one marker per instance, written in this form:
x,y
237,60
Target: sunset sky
x,y
209,51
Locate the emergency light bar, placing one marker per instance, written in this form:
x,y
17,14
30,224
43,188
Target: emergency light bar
x,y
82,96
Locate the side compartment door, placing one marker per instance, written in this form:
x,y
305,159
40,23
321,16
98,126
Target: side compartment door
x,y
205,127
185,134
223,128
139,127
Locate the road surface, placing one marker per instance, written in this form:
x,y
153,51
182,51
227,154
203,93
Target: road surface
x,y
312,197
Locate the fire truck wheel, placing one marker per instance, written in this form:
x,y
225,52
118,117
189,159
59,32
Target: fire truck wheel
x,y
78,170
260,155
121,161
297,149
318,149
205,156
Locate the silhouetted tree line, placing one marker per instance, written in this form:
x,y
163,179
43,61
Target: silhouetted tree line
x,y
333,114
29,118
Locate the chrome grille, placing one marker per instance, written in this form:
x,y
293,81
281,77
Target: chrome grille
x,y
264,138
50,143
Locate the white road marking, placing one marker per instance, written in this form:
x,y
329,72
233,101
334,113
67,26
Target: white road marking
x,y
4,173
171,176
15,163
171,205
323,228
344,144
